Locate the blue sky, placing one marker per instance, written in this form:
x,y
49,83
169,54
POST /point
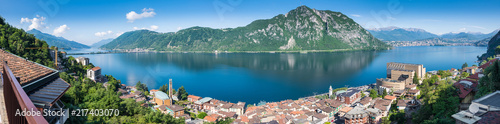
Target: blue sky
x,y
89,21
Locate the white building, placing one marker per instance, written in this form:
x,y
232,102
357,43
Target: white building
x,y
82,60
94,74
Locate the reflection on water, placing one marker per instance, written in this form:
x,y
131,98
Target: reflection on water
x,y
252,77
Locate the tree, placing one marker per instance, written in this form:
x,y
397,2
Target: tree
x,y
497,50
385,120
202,115
163,88
373,94
182,94
362,94
384,93
416,79
464,75
465,65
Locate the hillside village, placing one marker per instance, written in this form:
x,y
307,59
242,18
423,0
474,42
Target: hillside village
x,y
399,93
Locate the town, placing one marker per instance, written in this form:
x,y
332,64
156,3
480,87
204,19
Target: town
x,y
399,94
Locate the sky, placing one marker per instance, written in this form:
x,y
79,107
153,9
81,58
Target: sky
x,y
89,21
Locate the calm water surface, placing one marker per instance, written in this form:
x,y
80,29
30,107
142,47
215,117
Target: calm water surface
x,y
252,77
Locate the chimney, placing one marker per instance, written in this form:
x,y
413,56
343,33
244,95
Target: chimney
x,y
170,88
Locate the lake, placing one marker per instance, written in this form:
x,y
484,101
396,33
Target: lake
x,y
252,77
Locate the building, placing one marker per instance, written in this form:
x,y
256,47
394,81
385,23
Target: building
x,y
466,91
356,116
394,85
94,74
405,76
330,91
193,98
31,86
199,104
348,97
413,93
162,98
471,70
417,68
485,110
82,60
175,110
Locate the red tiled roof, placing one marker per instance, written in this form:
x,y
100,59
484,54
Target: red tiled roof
x,y
194,97
474,76
491,117
210,119
96,68
244,119
389,97
26,70
464,91
488,63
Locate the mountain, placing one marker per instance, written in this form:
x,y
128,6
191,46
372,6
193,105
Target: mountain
x,y
300,29
483,42
59,42
492,44
415,34
401,34
100,43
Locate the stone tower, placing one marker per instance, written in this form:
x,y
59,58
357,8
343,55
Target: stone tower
x,y
170,88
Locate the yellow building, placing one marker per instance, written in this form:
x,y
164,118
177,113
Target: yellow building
x,y
162,98
394,85
403,68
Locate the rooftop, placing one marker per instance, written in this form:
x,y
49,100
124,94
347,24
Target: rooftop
x,y
26,70
204,100
161,95
349,93
492,99
175,108
96,68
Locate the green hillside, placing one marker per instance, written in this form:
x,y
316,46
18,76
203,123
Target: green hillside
x,y
57,41
300,29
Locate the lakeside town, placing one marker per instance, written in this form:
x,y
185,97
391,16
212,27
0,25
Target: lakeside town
x,y
399,92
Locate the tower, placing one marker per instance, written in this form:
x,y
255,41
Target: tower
x,y
331,91
170,88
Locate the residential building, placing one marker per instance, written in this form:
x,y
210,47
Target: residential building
x,y
199,105
193,98
31,86
356,115
348,97
413,93
471,70
162,98
466,91
82,60
485,110
94,74
175,110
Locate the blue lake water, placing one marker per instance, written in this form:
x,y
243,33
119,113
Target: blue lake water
x,y
252,77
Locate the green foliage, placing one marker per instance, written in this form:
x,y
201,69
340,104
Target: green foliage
x,y
440,101
465,65
202,115
182,94
497,50
17,41
444,73
398,117
86,94
384,93
416,79
362,94
385,120
490,82
373,93
464,75
141,87
492,46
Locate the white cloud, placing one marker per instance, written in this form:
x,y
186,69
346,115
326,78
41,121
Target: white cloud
x,y
356,15
152,28
462,29
36,23
60,30
479,27
132,15
118,34
102,34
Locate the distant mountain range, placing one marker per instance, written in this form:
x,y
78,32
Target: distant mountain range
x,y
59,42
100,43
414,34
492,44
300,29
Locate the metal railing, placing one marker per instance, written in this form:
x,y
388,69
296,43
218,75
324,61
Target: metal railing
x,y
16,100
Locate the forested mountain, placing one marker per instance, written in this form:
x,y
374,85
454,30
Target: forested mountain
x,y
100,43
16,41
493,47
300,29
59,42
415,34
401,34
